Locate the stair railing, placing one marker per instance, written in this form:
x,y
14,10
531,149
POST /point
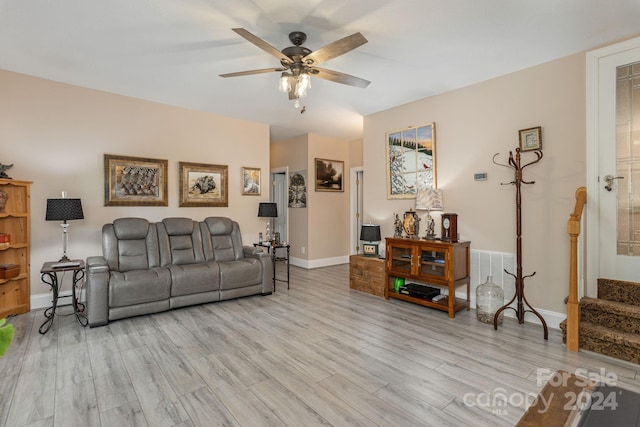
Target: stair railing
x,y
573,309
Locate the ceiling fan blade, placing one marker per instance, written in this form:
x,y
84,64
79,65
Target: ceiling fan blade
x,y
334,49
248,73
263,45
338,77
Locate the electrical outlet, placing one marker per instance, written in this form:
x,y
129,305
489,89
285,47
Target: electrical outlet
x,y
302,250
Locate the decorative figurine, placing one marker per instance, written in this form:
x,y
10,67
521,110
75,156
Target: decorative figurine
x,y
431,228
397,227
3,169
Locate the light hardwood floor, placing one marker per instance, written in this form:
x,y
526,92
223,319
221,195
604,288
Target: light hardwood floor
x,y
317,354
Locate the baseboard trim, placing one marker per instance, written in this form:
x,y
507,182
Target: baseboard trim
x,y
39,301
317,263
552,318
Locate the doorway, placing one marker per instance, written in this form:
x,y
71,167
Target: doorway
x,y
356,208
280,196
613,75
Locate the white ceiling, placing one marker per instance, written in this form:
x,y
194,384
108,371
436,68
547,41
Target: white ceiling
x,y
172,51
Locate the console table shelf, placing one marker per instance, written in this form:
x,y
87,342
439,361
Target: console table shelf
x,y
431,262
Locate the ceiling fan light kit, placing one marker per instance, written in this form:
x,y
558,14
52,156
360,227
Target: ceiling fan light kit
x,y
299,63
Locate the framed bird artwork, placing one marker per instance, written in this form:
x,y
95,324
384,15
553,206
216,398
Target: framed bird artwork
x,y
411,160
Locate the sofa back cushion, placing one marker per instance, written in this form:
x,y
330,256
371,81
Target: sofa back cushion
x,y
180,241
221,239
130,244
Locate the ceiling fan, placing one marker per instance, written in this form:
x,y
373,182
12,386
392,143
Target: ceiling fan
x,y
298,63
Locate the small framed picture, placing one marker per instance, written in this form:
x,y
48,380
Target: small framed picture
x,y
250,181
203,185
531,139
329,175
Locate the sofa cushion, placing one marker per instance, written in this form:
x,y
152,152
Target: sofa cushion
x,y
181,250
237,274
218,225
178,226
139,286
223,248
194,278
132,255
130,244
130,228
180,241
224,237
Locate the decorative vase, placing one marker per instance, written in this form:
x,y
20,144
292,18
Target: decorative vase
x,y
411,224
489,298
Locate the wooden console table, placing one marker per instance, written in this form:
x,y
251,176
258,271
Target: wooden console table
x,y
429,262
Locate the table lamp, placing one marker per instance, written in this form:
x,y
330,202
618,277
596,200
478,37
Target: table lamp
x,y
371,234
268,210
64,210
429,199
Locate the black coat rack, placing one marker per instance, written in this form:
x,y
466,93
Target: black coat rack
x,y
514,163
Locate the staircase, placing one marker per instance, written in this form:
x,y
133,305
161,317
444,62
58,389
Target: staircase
x,y
610,324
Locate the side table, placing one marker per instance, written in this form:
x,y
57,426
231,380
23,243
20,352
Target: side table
x,y
366,274
272,249
49,275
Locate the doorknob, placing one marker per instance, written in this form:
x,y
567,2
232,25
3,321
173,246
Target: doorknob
x,y
609,180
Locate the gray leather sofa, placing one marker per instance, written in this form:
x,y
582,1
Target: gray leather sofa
x,y
152,267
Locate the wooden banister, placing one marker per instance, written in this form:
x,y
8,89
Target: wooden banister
x,y
573,310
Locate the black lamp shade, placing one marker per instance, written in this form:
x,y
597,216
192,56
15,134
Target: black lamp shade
x,y
268,210
370,233
64,209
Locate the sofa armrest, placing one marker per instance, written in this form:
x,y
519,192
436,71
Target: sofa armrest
x,y
252,250
97,283
267,266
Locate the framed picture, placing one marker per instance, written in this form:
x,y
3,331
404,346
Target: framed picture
x,y
298,189
329,175
134,181
250,181
203,185
531,139
411,160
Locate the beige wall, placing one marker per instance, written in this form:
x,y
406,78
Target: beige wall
x,y
355,153
473,124
322,228
293,153
329,211
56,135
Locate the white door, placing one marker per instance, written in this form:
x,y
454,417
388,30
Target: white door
x,y
357,187
280,195
611,136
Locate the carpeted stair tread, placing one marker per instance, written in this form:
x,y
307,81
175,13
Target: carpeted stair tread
x,y
613,335
611,314
610,324
611,342
621,291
